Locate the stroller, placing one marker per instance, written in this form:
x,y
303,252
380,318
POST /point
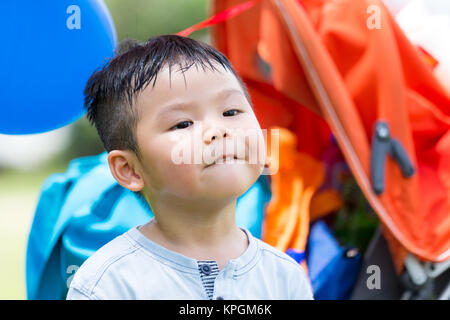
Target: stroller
x,y
337,92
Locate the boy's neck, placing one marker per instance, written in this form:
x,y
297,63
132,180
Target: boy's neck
x,y
202,235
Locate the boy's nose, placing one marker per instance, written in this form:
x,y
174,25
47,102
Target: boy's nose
x,y
214,133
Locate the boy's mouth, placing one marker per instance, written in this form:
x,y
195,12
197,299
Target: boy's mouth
x,y
223,159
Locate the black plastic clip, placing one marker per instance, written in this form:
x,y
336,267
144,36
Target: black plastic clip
x,y
383,144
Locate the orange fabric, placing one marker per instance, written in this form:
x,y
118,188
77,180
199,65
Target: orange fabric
x,y
295,199
286,222
275,109
323,56
398,252
324,202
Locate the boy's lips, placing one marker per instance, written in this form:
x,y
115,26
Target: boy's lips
x,y
223,159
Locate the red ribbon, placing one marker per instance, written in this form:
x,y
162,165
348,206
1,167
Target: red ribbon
x,y
220,17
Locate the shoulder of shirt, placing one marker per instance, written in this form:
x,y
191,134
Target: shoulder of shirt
x,y
291,269
92,270
277,254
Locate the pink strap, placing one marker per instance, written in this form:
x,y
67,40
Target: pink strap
x,y
220,17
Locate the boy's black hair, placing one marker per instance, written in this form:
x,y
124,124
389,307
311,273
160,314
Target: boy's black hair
x,y
110,93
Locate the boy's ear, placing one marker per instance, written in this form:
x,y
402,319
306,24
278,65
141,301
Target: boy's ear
x,y
124,168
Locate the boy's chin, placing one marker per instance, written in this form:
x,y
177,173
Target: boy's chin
x,y
229,187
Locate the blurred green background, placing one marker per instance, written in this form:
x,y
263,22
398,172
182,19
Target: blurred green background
x,y
26,161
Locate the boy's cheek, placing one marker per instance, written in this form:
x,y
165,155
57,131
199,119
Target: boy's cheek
x,y
179,175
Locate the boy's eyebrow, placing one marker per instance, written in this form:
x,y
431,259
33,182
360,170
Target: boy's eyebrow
x,y
181,105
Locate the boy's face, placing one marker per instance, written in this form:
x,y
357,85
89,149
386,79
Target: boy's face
x,y
201,117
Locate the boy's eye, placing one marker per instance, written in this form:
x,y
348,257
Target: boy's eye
x,y
185,124
231,113
181,125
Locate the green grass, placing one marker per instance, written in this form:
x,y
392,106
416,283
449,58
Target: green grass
x,y
25,181
19,191
356,222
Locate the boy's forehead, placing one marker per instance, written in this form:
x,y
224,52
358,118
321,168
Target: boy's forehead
x,y
191,86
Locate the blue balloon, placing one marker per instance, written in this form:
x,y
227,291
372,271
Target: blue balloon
x,y
49,49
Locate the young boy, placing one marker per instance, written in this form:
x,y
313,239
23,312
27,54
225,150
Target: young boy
x,y
192,248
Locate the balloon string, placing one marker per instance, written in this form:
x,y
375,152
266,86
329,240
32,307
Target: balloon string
x,y
220,17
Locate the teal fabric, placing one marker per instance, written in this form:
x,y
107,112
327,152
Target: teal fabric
x,y
84,208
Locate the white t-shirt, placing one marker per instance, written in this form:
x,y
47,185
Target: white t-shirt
x,y
131,266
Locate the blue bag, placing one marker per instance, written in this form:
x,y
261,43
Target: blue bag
x,y
332,269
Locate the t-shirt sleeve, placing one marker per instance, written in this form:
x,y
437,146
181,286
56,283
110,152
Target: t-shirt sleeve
x,y
76,294
302,287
